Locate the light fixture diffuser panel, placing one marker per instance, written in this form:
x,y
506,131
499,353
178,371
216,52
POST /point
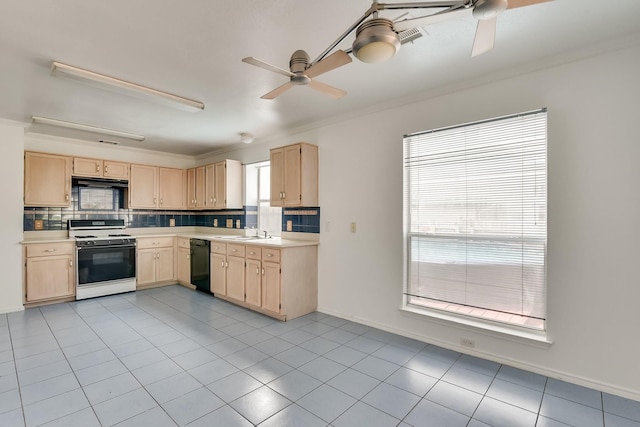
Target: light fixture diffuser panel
x,y
125,87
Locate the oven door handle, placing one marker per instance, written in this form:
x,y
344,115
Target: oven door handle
x,y
105,247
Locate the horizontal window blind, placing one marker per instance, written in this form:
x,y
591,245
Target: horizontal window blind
x,y
475,210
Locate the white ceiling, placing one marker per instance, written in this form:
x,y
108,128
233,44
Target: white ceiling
x,y
194,49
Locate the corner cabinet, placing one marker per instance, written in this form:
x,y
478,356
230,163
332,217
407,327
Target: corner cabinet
x,y
184,262
47,180
294,175
227,185
49,272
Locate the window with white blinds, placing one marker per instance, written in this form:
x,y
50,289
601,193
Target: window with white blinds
x,y
476,219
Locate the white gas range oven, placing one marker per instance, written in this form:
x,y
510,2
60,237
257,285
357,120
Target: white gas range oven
x,y
105,257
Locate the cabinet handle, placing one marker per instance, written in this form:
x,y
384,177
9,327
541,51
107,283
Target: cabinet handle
x,y
257,271
70,263
155,243
284,195
212,200
226,264
269,255
66,197
155,200
161,201
188,256
50,250
252,253
106,169
234,250
97,167
263,271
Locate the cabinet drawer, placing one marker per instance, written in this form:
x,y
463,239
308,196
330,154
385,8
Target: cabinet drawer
x,y
269,254
219,248
254,252
46,249
235,250
154,242
183,242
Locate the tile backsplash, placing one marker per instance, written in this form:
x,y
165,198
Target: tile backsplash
x,y
304,220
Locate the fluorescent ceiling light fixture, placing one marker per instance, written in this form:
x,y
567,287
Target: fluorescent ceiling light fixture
x,y
87,128
58,68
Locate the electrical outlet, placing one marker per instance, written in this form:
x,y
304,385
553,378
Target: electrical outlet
x,y
172,222
467,342
289,225
215,222
237,223
229,223
38,224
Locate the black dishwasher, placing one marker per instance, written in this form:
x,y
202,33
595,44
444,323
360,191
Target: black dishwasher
x,y
200,250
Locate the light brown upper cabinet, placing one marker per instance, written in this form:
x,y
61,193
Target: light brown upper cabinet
x,y
196,188
47,179
294,175
209,186
171,188
153,187
227,185
100,168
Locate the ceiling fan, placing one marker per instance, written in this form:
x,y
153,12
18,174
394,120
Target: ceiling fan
x,y
378,39
302,73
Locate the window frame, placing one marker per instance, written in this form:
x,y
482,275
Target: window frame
x,y
530,335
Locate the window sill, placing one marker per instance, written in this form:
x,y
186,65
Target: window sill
x,y
520,335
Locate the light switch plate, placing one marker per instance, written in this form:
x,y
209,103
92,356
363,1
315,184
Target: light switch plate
x,y
172,222
353,227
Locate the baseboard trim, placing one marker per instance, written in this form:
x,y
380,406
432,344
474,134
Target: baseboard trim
x,y
14,309
537,369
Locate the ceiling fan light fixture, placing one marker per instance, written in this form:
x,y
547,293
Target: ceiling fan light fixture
x,y
375,41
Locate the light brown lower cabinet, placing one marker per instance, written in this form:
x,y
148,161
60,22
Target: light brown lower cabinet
x,y
49,273
155,262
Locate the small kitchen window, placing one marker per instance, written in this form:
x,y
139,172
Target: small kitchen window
x,y
258,179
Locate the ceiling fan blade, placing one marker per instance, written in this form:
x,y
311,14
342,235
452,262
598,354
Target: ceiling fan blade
x,y
331,62
443,16
333,92
520,3
278,91
260,63
485,36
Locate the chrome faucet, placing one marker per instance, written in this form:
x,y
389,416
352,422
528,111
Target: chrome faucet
x,y
265,234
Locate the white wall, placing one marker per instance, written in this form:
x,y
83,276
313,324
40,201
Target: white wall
x,y
11,172
593,216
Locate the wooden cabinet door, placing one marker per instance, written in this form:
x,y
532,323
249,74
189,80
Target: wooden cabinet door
x,y
218,277
292,190
146,266
271,286
143,187
220,192
252,284
49,277
87,167
277,176
235,278
115,170
184,266
171,188
199,190
164,264
209,186
47,180
191,188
